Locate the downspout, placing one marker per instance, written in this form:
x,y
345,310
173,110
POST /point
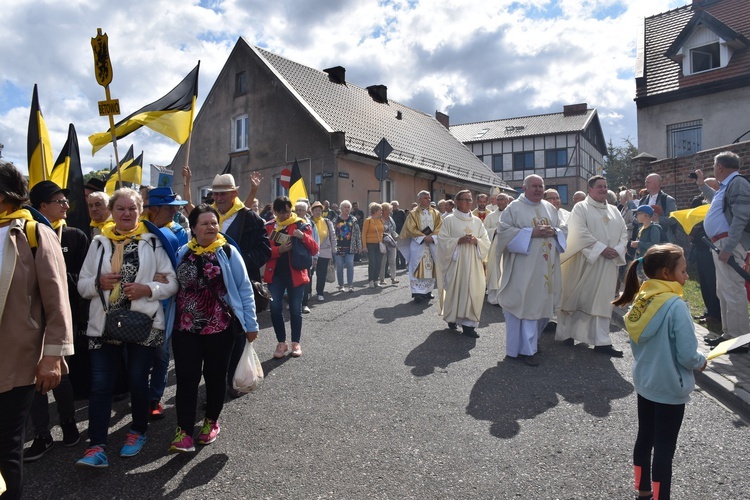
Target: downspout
x,y
432,184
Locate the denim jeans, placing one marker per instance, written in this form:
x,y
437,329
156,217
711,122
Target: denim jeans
x,y
373,261
104,364
348,261
294,293
160,365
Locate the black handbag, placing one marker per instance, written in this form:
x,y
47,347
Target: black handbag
x,y
123,324
300,256
262,296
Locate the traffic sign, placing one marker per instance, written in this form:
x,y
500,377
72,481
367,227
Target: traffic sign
x,y
383,149
381,171
286,176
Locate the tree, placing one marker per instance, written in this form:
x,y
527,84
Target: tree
x,y
94,173
617,166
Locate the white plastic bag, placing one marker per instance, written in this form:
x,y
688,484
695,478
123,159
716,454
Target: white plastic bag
x,y
249,373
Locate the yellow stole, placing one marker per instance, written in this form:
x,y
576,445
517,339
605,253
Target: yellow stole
x,y
23,213
652,295
120,240
320,223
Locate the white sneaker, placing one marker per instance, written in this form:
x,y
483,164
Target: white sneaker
x,y
350,289
321,298
306,310
340,288
382,283
371,284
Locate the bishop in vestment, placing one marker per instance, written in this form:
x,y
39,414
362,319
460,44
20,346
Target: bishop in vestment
x,y
529,242
417,245
462,248
597,242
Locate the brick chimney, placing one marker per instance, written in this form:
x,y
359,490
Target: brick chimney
x,y
443,119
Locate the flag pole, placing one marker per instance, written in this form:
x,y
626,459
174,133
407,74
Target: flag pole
x,y
103,74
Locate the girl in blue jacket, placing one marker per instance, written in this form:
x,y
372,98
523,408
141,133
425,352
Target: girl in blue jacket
x,y
662,338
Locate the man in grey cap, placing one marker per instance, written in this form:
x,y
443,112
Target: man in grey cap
x,y
247,229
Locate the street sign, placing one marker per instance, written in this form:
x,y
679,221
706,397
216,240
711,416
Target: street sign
x,y
381,171
286,176
383,149
110,107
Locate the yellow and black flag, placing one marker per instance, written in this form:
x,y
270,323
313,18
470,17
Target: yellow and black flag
x,y
132,173
111,179
172,115
67,174
297,189
38,148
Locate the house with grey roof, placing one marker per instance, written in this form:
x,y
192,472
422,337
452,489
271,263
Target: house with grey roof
x,y
265,111
693,78
565,149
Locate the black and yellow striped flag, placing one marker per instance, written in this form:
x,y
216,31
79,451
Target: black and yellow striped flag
x,y
111,179
297,189
172,115
38,147
67,174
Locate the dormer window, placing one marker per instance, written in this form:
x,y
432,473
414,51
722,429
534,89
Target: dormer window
x,y
705,58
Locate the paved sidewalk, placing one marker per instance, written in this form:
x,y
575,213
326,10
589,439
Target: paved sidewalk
x,y
727,378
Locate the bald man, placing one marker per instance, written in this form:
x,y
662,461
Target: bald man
x,y
668,205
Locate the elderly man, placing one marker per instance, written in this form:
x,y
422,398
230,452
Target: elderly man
x,y
656,196
481,211
529,240
492,269
461,251
247,229
597,241
399,217
98,203
552,196
578,197
417,244
726,223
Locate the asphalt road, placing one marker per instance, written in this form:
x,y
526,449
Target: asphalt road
x,y
386,402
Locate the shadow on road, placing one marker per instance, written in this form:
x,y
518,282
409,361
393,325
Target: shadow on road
x,y
386,315
439,350
511,391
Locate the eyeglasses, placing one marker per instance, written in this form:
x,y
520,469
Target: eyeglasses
x,y
61,201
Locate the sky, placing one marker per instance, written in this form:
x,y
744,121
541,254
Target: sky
x,y
472,60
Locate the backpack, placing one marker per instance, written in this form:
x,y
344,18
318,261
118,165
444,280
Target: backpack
x,y
725,202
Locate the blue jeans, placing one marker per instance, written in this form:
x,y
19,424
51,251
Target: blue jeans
x,y
348,261
160,365
294,293
104,364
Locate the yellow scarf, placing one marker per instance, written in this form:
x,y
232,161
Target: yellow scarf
x,y
23,213
652,295
194,247
120,240
292,219
236,207
322,226
101,225
58,227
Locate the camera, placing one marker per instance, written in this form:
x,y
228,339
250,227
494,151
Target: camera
x,y
693,175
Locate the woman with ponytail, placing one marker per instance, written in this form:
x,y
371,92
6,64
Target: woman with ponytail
x,y
215,303
662,338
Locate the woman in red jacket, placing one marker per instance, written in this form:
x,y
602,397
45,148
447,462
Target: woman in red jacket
x,y
282,276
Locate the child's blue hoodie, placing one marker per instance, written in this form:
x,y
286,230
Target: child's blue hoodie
x,y
666,355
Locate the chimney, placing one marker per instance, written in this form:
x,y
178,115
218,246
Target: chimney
x,y
379,93
575,109
337,74
443,119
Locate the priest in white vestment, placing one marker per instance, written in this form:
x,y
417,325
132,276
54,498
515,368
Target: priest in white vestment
x,y
529,242
597,243
417,245
462,248
492,270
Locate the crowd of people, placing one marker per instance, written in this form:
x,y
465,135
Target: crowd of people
x,y
193,272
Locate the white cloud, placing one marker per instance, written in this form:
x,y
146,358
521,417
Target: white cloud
x,y
474,60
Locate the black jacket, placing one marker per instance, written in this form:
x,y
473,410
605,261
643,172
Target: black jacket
x,y
249,231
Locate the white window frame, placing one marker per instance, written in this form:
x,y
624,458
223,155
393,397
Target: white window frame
x,y
240,133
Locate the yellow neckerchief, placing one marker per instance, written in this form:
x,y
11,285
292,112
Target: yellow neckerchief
x,y
101,225
22,213
194,247
292,219
120,240
652,295
58,227
640,231
322,226
236,207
